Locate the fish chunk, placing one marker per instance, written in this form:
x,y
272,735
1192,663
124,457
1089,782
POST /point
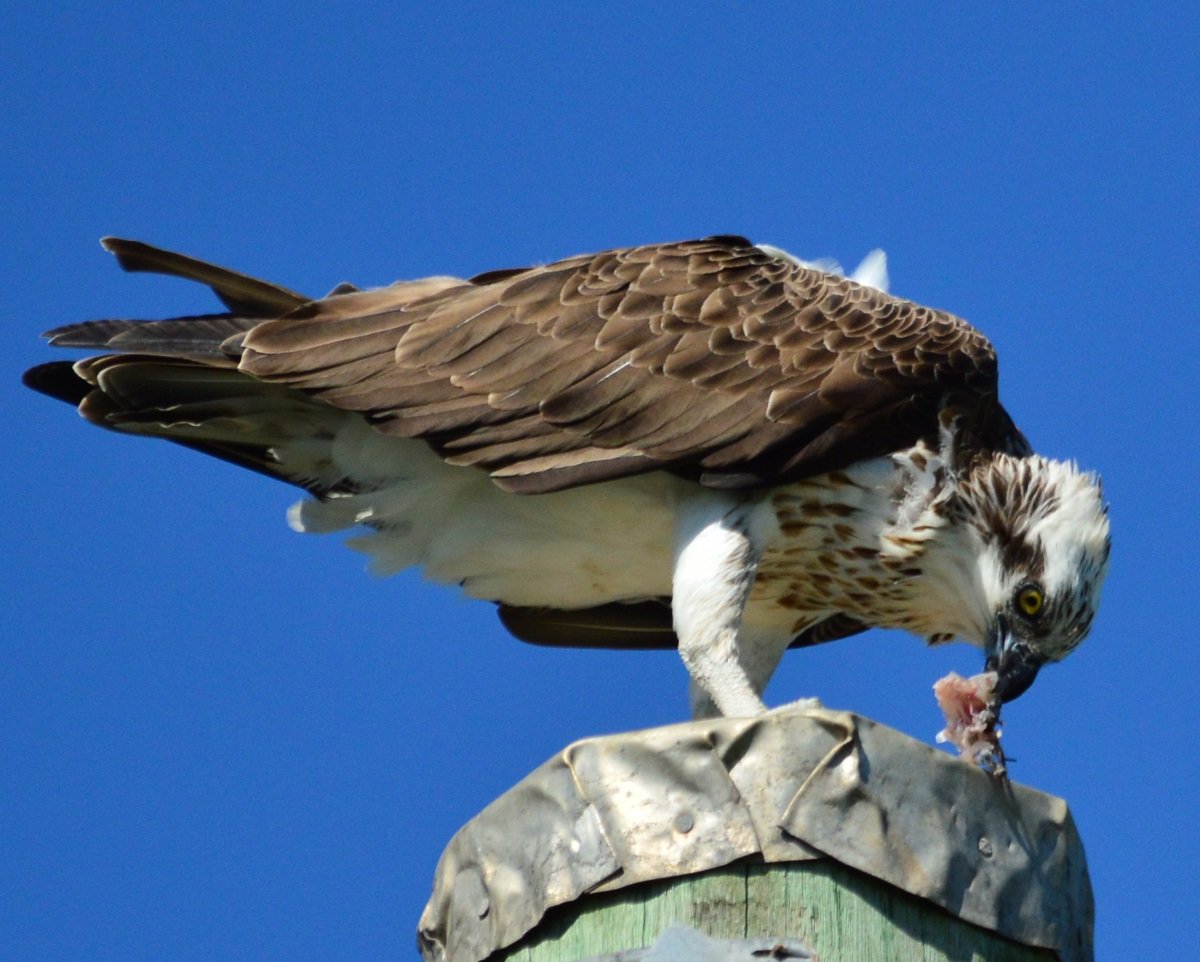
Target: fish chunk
x,y
972,719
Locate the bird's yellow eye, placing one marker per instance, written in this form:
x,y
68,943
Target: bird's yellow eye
x,y
1030,600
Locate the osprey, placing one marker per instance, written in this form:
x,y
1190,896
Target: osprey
x,y
708,444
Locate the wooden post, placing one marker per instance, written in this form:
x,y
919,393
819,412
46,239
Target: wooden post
x,y
841,914
808,830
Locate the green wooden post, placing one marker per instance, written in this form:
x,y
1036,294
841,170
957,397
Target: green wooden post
x,y
842,915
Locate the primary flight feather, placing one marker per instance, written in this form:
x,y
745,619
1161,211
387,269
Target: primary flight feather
x,y
706,443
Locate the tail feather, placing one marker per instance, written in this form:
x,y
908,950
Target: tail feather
x,y
199,337
241,293
177,378
58,380
207,337
216,411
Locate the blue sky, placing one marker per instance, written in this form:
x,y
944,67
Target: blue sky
x,y
223,740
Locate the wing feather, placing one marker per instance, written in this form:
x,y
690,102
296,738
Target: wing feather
x,y
713,358
241,294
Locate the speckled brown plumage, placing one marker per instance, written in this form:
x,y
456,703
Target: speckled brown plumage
x,y
711,358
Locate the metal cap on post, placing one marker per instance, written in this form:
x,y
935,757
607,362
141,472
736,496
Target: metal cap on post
x,y
803,827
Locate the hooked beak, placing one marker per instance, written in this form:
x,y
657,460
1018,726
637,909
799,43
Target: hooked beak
x,y
1012,660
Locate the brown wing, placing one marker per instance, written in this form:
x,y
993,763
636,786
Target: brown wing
x,y
713,358
635,626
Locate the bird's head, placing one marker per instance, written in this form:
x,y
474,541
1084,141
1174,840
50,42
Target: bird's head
x,y
1044,539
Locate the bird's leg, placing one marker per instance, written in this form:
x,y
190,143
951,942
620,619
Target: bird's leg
x,y
715,564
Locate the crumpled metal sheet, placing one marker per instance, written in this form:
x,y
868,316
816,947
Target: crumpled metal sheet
x,y
797,783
